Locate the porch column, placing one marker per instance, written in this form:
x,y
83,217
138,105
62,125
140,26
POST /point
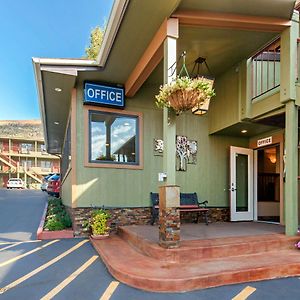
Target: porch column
x,y
169,218
288,62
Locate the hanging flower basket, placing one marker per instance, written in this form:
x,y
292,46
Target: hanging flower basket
x,y
185,93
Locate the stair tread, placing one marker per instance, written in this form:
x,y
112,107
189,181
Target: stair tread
x,y
121,255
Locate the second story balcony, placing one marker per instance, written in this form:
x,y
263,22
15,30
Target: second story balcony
x,y
266,70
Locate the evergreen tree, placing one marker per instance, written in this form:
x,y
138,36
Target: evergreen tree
x,y
96,38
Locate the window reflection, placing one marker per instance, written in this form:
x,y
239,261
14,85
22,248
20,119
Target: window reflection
x,y
113,138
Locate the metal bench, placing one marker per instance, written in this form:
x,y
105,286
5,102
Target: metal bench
x,y
188,203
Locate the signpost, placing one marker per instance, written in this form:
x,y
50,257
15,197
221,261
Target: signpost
x,y
103,95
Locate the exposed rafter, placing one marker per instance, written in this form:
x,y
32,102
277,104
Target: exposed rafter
x,y
231,21
151,57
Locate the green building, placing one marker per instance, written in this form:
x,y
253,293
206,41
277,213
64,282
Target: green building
x,y
242,153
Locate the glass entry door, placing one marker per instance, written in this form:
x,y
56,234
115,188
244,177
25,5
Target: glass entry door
x,y
241,184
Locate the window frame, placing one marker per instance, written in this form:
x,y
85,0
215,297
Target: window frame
x,y
88,110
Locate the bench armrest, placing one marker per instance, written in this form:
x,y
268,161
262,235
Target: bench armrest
x,y
204,203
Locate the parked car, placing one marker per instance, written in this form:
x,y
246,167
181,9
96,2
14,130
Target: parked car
x,y
44,185
15,183
53,187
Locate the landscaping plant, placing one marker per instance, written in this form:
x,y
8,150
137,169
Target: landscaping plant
x,y
98,222
184,93
57,217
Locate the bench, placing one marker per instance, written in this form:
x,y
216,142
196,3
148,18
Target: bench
x,y
188,203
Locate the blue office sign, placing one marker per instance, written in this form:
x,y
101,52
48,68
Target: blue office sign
x,y
103,95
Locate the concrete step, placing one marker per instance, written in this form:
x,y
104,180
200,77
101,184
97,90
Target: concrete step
x,y
134,268
195,250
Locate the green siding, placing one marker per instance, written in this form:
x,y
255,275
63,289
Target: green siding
x,y
66,191
224,108
131,188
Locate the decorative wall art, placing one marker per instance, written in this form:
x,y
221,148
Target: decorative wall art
x,y
186,151
158,147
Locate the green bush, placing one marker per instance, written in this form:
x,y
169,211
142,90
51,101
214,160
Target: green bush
x,y
54,224
57,217
99,222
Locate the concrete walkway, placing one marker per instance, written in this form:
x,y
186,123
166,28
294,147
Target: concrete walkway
x,y
20,214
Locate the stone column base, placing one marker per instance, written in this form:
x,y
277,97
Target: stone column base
x,y
169,228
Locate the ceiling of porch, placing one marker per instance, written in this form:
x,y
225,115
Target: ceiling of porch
x,y
268,8
222,48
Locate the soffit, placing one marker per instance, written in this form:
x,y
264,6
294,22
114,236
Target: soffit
x,y
268,8
221,48
57,107
252,129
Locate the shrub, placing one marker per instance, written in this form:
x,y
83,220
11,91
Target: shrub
x,y
99,221
57,217
54,224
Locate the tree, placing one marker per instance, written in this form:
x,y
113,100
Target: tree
x,y
96,38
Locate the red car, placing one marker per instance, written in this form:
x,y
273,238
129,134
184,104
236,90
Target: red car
x,y
53,187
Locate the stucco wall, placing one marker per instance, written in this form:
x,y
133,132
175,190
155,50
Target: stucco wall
x,y
131,188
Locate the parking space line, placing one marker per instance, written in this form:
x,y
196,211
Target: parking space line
x,y
10,243
245,293
10,246
110,290
69,279
41,268
27,253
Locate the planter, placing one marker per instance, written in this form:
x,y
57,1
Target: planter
x,y
185,94
183,100
99,236
42,234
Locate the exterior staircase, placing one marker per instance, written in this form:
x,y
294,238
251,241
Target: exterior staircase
x,y
9,162
33,175
14,168
196,264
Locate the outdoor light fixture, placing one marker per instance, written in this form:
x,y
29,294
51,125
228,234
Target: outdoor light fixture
x,y
56,123
57,89
244,131
200,63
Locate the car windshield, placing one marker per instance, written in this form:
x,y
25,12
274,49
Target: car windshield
x,y
54,177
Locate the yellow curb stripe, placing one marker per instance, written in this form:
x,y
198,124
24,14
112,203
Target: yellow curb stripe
x,y
9,243
10,246
245,293
41,268
69,279
27,253
110,290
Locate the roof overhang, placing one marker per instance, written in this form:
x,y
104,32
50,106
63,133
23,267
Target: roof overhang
x,y
130,30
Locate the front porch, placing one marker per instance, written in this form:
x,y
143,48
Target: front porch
x,y
208,256
191,231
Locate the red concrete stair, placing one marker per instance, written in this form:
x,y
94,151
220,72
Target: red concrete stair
x,y
198,264
194,250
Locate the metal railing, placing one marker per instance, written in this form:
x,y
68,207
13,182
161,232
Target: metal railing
x,y
266,70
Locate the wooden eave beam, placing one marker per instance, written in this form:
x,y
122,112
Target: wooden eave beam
x,y
151,57
231,21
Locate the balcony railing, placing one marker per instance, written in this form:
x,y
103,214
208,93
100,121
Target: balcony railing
x,y
266,70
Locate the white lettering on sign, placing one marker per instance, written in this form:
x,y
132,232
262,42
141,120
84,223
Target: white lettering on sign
x,y
102,94
264,142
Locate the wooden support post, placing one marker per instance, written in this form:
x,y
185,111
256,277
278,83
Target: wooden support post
x,y
288,61
169,235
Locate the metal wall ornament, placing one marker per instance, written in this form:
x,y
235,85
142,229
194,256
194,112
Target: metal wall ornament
x,y
158,147
186,151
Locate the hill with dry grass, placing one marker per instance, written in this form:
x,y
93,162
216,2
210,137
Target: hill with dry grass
x,y
22,129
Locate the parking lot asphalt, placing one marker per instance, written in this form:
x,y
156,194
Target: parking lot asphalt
x,y
71,268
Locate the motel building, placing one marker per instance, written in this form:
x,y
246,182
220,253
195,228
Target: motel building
x,y
241,153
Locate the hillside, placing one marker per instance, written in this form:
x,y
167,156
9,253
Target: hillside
x,y
27,129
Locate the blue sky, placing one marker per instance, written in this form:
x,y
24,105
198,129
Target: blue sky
x,y
40,28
